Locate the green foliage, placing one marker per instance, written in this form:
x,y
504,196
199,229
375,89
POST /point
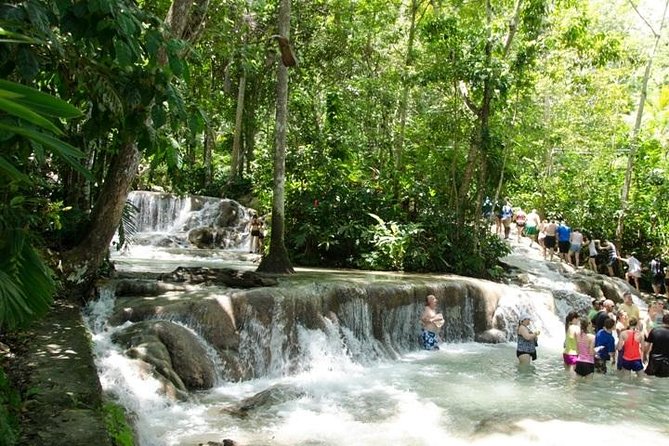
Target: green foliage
x,y
26,284
390,242
10,405
117,425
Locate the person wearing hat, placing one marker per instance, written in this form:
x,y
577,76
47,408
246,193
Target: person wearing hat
x,y
527,341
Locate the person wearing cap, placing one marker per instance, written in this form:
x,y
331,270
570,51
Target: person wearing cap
x,y
628,306
527,341
431,322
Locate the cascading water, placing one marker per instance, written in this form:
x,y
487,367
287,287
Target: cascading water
x,y
358,377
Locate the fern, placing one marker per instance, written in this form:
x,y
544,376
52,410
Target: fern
x,y
128,227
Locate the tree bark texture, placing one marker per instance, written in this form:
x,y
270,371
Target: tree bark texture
x,y
83,261
277,261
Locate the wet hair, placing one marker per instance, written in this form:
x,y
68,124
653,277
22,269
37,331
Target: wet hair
x,y
571,316
430,297
609,323
633,322
585,324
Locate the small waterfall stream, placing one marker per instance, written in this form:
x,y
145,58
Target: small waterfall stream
x,y
330,358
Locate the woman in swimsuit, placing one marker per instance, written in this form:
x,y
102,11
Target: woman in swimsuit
x,y
527,341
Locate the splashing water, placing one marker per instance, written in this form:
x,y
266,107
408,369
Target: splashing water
x,y
347,387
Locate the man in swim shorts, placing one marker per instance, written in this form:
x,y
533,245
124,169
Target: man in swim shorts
x,y
431,322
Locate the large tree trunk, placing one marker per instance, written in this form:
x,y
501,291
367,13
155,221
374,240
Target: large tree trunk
x,y
81,263
634,138
277,261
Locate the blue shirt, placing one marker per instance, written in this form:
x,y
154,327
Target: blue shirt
x,y
604,339
563,233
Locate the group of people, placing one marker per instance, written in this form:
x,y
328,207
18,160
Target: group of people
x,y
556,238
607,335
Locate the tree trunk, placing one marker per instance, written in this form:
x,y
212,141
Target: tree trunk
x,y
81,263
404,97
277,261
480,139
209,144
237,161
634,139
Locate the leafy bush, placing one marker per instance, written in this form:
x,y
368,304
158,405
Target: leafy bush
x,y
10,403
117,426
390,241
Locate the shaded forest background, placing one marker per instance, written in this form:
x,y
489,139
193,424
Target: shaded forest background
x,y
405,116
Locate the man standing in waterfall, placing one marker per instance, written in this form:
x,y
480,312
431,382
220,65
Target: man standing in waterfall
x,y
431,322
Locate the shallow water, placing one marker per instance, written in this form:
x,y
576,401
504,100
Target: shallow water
x,y
464,394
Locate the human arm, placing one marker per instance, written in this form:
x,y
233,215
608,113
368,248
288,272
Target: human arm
x,y
525,333
621,340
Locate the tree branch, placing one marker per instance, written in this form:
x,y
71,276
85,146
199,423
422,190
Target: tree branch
x,y
462,89
643,18
513,27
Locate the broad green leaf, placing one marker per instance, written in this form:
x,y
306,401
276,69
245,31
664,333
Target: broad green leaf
x,y
40,102
26,114
11,171
65,151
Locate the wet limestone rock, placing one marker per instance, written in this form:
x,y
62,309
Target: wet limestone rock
x,y
277,394
174,352
219,276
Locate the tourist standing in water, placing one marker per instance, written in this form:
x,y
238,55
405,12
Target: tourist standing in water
x,y
629,307
255,225
571,331
527,341
630,345
585,362
657,344
605,313
605,347
431,322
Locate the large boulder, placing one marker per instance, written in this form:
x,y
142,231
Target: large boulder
x,y
174,351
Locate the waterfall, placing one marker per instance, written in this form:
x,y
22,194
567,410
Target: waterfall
x,y
166,220
337,353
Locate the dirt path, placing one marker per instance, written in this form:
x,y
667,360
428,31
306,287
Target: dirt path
x,y
53,366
